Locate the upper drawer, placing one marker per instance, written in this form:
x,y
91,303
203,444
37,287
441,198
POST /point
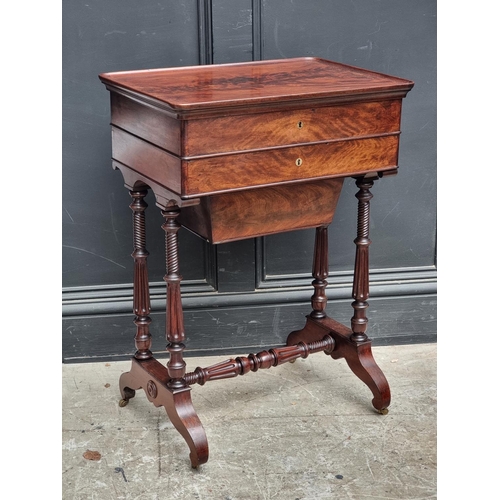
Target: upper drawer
x,y
200,137
267,130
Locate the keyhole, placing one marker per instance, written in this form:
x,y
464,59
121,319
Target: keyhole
x,y
298,162
300,124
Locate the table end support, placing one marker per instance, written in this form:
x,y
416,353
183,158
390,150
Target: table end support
x,y
358,355
350,343
164,386
151,376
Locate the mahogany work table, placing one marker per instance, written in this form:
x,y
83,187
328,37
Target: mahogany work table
x,y
243,150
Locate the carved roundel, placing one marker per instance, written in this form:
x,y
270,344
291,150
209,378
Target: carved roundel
x,y
152,389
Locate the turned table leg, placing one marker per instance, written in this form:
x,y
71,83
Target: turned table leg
x,y
320,273
352,344
175,318
360,288
319,299
177,400
358,352
164,386
142,305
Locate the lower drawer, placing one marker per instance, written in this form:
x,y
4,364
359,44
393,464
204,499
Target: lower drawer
x,y
204,175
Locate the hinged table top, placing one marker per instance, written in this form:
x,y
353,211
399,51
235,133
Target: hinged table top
x,y
279,82
250,149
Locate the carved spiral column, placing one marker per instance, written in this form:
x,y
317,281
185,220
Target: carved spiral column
x,y
320,273
175,319
360,289
142,305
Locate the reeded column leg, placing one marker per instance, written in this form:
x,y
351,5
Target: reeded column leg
x,y
319,298
361,360
175,318
360,288
142,305
320,273
178,401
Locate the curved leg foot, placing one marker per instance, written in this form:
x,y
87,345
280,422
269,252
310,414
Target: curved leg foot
x,y
153,377
359,357
183,416
128,385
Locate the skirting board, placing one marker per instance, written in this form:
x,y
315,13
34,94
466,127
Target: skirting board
x,y
403,312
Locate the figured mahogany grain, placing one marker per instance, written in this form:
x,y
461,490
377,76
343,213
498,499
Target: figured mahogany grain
x,y
256,131
243,150
259,168
196,131
257,212
191,90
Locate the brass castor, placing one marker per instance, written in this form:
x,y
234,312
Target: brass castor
x,y
384,411
123,402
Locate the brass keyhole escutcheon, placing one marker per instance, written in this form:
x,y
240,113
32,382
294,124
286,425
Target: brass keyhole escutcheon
x,y
300,124
298,162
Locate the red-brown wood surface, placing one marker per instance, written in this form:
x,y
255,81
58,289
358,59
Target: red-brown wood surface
x,y
147,159
264,359
142,304
151,124
268,210
358,355
320,273
336,159
153,377
282,81
281,128
246,150
199,131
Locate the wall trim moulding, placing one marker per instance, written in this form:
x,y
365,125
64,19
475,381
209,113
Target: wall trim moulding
x,y
117,299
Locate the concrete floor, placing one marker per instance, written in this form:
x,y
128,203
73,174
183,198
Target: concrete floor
x,y
298,431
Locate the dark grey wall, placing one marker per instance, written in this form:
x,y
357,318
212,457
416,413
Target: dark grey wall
x,y
249,294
